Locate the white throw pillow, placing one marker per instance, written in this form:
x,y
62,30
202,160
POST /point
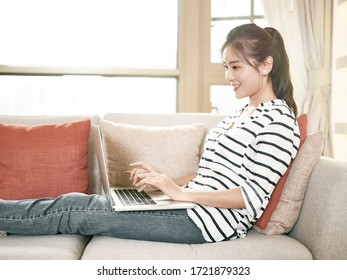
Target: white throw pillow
x,y
174,150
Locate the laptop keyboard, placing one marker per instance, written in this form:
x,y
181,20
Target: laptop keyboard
x,y
133,197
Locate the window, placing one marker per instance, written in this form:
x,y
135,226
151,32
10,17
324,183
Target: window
x,y
95,56
225,15
99,56
31,95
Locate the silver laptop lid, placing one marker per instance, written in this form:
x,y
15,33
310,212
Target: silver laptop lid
x,y
101,161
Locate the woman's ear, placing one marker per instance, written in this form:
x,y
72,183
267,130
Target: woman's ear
x,y
266,66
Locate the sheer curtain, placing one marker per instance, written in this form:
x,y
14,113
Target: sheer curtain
x,y
316,23
306,26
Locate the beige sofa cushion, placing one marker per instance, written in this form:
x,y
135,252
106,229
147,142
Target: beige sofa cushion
x,y
288,208
43,247
172,150
255,246
322,223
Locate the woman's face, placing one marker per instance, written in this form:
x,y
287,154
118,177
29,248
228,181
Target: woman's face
x,y
244,78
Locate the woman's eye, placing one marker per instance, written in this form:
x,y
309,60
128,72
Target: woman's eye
x,y
236,67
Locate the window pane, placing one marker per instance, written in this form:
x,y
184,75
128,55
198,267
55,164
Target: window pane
x,y
258,8
223,100
97,33
25,95
219,31
229,8
229,11
261,22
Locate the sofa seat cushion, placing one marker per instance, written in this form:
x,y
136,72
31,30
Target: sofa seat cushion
x,y
254,246
43,247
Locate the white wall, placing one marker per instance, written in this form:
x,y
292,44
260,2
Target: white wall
x,y
339,79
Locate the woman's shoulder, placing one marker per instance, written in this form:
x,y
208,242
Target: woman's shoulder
x,y
276,110
276,116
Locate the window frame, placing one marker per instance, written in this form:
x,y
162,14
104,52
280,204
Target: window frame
x,y
97,71
213,73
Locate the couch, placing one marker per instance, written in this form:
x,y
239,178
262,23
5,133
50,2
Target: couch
x,y
320,231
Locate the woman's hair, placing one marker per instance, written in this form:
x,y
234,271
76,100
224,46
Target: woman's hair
x,y
255,44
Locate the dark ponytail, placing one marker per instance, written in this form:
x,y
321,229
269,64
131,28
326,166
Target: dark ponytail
x,y
255,44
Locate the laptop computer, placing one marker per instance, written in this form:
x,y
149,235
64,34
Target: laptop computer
x,y
129,199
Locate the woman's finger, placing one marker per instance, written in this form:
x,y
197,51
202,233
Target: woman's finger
x,y
142,165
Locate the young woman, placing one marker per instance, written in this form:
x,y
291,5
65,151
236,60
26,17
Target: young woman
x,y
244,157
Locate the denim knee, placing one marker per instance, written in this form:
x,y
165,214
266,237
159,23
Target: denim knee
x,y
69,213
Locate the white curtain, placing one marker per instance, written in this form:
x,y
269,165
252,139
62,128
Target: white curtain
x,y
316,23
306,27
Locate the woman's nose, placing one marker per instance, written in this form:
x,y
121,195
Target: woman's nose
x,y
229,76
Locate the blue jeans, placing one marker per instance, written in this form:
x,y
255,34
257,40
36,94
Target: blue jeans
x,y
92,214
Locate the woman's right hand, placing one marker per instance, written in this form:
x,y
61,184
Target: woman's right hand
x,y
139,168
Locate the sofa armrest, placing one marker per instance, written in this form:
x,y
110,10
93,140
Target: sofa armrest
x,y
322,224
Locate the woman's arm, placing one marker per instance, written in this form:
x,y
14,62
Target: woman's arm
x,y
231,198
144,175
185,180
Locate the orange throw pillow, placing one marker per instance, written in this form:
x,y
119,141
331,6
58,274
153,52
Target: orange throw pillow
x,y
276,194
43,160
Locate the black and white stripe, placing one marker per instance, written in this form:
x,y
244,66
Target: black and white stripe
x,y
252,157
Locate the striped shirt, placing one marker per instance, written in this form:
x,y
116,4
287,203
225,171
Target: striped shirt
x,y
251,156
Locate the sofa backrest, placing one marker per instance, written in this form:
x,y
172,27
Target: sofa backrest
x,y
209,120
322,224
93,171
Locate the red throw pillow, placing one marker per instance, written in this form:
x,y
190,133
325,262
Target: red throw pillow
x,y
43,160
276,194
